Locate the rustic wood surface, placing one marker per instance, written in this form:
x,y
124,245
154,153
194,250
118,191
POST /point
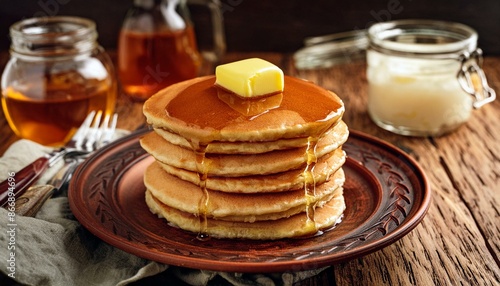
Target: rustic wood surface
x,y
458,242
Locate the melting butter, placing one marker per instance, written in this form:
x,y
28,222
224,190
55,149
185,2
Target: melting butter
x,y
250,78
250,107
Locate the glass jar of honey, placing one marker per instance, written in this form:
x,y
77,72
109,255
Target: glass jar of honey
x,y
57,73
425,76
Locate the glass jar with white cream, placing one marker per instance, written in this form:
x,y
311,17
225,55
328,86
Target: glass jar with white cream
x,y
424,76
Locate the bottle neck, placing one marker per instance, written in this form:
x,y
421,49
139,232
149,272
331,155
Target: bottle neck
x,y
149,4
145,4
153,15
53,37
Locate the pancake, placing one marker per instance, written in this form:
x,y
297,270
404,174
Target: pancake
x,y
208,119
340,131
284,181
267,167
295,226
186,197
233,165
235,147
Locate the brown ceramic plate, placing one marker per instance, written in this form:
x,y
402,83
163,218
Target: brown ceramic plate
x,y
386,194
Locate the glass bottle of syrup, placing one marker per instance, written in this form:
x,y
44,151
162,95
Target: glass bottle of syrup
x,y
157,47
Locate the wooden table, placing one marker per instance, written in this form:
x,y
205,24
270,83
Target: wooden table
x,y
458,242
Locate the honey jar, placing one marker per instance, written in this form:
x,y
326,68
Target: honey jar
x,y
425,76
57,73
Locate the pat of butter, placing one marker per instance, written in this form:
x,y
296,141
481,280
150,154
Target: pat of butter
x,y
250,78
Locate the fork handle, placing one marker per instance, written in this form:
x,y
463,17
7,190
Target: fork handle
x,y
30,202
22,180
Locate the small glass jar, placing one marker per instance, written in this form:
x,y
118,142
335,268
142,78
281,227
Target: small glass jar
x,y
57,73
424,76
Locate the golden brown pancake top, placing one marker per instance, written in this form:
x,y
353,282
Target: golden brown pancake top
x,y
194,109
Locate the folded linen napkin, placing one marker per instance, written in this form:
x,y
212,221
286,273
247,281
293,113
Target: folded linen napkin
x,y
54,249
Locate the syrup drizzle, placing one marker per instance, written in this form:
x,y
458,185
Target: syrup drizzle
x,y
202,166
250,107
310,182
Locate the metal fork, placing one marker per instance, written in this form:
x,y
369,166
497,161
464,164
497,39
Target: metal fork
x,y
88,138
94,134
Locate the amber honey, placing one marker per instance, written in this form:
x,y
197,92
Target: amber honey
x,y
56,75
50,111
148,62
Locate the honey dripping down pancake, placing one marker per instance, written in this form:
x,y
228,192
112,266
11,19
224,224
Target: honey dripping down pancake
x,y
208,139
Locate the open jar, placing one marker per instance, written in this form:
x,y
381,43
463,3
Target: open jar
x,y
57,73
424,76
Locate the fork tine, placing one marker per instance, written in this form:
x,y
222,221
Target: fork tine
x,y
83,130
109,129
100,132
102,129
93,134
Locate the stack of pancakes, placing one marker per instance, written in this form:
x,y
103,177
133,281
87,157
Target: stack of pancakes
x,y
267,168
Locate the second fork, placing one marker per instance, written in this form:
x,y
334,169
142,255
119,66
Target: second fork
x,y
88,137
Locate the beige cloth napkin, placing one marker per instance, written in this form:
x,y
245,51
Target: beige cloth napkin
x,y
54,249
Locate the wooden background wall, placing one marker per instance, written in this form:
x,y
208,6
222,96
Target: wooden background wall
x,y
273,25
